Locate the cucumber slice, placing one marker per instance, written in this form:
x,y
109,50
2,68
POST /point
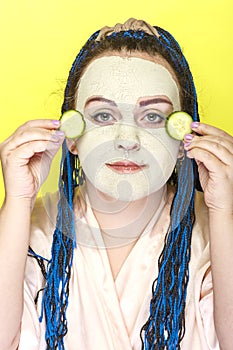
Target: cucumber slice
x,y
72,124
178,125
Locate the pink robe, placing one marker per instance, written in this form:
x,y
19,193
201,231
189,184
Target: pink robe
x,y
104,314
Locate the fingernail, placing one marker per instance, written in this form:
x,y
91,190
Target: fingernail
x,y
188,137
194,125
186,144
56,122
59,133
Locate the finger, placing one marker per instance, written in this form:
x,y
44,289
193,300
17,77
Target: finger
x,y
36,134
221,141
48,124
24,153
41,123
206,129
210,161
223,151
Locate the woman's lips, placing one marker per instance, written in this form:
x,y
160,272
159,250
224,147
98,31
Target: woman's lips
x,y
125,167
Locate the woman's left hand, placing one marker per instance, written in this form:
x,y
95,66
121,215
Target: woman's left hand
x,y
213,153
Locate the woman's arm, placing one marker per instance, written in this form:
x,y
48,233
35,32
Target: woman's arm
x,y
14,241
26,157
213,152
221,252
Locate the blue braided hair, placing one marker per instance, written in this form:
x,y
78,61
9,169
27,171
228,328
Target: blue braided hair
x,y
165,326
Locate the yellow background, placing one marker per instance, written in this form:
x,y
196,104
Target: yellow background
x,y
40,39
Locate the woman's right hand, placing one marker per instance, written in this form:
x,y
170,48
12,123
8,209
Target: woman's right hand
x,y
26,157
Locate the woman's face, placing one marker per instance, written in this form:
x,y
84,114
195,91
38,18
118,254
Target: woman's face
x,y
125,151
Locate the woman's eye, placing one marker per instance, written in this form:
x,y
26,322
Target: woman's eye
x,y
153,119
103,117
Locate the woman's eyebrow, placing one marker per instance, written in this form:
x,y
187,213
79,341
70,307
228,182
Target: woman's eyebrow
x,y
154,100
100,99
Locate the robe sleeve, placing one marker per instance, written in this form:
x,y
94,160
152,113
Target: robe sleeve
x,y
203,280
206,307
42,227
32,331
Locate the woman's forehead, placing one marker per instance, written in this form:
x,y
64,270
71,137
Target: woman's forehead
x,y
156,58
126,78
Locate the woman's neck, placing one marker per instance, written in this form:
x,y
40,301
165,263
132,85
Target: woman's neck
x,y
123,222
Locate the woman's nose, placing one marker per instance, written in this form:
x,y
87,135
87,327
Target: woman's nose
x,y
127,145
126,138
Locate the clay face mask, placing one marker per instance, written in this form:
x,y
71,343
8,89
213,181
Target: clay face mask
x,y
125,151
124,80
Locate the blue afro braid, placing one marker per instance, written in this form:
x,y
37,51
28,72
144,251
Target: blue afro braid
x,y
165,326
56,291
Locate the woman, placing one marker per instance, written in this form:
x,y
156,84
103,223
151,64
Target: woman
x,y
127,213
